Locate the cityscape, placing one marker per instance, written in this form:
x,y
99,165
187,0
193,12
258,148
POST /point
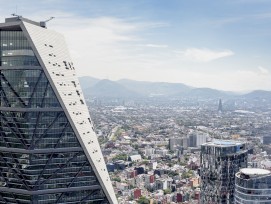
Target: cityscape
x,y
154,148
135,102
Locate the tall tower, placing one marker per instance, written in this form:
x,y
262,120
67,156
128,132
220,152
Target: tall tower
x,y
49,152
253,185
220,160
220,109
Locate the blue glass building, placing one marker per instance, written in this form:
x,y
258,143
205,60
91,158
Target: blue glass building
x,y
220,160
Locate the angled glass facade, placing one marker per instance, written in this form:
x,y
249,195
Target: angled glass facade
x,y
220,160
41,159
16,50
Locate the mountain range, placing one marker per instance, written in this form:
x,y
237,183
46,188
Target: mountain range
x,y
125,88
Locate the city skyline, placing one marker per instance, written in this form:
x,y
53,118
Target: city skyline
x,y
220,45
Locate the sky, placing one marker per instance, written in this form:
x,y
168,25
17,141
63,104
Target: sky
x,y
222,44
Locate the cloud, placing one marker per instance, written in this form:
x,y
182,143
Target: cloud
x,y
156,45
225,21
114,48
108,46
204,55
263,70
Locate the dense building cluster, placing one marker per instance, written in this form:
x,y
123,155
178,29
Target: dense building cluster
x,y
169,153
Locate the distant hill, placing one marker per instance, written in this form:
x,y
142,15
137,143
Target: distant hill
x,y
126,88
154,88
258,94
87,81
204,93
109,89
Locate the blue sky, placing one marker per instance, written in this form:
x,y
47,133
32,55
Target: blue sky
x,y
223,44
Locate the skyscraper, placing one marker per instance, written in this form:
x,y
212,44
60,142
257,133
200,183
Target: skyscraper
x,y
220,109
253,185
49,152
220,160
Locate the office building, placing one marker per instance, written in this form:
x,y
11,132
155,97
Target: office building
x,y
175,143
267,139
253,186
220,161
196,139
49,152
220,109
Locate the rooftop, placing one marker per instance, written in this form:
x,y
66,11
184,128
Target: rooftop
x,y
254,172
223,143
17,19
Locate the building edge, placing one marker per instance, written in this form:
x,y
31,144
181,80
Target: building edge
x,y
107,188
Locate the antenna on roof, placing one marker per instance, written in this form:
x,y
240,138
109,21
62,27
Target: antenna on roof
x,y
43,23
14,14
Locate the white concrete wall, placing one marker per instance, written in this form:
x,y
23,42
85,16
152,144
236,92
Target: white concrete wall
x,y
51,51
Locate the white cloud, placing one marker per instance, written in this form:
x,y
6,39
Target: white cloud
x,y
263,70
156,45
114,48
204,55
109,47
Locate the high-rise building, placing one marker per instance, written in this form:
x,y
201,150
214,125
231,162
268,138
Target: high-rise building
x,y
220,160
192,140
267,139
197,138
49,152
252,186
175,143
220,109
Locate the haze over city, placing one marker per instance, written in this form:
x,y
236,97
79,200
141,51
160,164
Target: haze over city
x,y
222,44
151,102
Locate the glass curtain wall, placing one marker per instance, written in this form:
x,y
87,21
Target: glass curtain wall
x,y
39,151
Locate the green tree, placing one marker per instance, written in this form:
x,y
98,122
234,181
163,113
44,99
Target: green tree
x,y
186,175
120,157
167,191
116,179
143,200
